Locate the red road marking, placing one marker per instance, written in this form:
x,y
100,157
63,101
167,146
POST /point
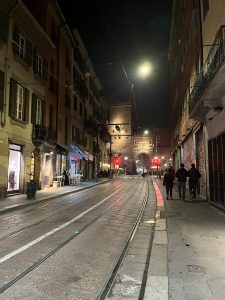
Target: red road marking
x,y
159,196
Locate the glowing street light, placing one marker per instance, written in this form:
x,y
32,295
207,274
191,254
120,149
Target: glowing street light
x,y
144,69
146,132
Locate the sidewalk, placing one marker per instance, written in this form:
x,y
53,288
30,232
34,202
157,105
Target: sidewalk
x,y
188,252
20,200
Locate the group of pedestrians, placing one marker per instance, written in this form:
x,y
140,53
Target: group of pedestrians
x,y
182,174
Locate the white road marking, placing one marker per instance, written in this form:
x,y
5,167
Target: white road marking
x,y
13,216
42,237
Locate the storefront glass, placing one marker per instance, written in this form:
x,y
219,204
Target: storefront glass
x,y
60,164
14,167
73,164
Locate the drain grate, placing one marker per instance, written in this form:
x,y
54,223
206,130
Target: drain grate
x,y
196,269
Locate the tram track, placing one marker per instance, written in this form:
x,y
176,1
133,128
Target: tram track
x,y
59,212
109,284
14,280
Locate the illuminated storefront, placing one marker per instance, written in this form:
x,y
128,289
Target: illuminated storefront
x,y
15,158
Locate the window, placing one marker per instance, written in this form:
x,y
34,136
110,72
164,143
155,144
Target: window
x,y
39,64
4,26
21,46
38,112
19,102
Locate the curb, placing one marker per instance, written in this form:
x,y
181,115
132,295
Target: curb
x,y
157,285
45,199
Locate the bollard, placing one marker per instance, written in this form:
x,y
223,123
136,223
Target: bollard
x,y
31,189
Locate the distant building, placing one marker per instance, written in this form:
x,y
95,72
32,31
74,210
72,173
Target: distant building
x,y
135,150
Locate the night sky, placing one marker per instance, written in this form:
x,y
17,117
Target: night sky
x,y
128,32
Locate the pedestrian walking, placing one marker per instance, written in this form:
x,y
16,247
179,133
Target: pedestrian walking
x,y
168,183
194,176
181,175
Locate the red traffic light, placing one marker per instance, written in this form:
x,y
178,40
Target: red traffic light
x,y
116,161
155,161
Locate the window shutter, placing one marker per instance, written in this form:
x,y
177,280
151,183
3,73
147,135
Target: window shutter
x,y
34,109
1,90
26,106
12,98
4,26
35,61
28,56
16,40
43,107
45,70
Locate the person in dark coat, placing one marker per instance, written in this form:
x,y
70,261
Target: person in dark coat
x,y
181,175
168,182
66,177
194,176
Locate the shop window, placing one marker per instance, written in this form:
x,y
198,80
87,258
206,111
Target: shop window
x,y
14,167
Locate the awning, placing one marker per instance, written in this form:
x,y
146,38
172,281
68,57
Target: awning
x,y
77,151
86,155
70,149
61,149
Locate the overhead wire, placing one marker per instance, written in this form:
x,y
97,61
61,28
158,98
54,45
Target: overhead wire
x,y
130,84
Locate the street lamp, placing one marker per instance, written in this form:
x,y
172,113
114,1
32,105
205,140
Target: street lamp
x,y
146,132
144,69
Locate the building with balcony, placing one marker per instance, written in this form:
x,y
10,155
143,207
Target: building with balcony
x,y
185,56
23,81
73,96
205,98
90,110
46,98
208,99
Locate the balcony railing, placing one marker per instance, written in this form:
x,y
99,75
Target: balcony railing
x,y
211,66
39,134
